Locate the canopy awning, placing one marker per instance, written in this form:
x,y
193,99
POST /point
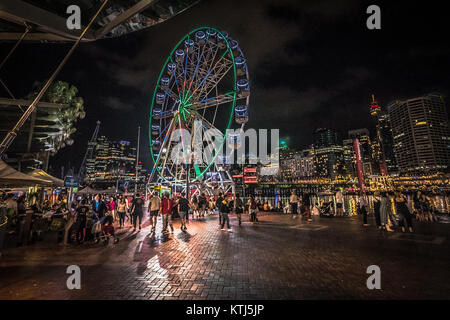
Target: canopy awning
x,y
41,174
88,190
10,177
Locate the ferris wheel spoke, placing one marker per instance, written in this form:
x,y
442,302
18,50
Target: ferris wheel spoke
x,y
165,114
174,75
208,61
211,80
168,91
213,101
205,123
196,68
162,132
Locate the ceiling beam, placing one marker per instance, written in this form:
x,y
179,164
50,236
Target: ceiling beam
x,y
23,102
127,14
32,36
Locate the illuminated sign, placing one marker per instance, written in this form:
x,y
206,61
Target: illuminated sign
x,y
251,179
249,170
70,181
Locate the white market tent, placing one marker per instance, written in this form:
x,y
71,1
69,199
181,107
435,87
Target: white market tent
x,y
88,190
10,177
41,174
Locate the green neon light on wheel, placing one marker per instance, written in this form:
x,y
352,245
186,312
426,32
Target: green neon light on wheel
x,y
199,84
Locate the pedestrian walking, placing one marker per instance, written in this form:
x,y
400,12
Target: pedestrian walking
x,y
122,208
252,208
137,211
376,208
112,208
155,207
194,206
403,212
166,212
239,208
224,210
183,210
363,208
202,205
99,207
306,207
81,221
218,205
293,201
385,211
339,204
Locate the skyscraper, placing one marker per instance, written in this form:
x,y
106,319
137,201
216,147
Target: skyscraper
x,y
324,137
328,153
420,134
384,138
365,148
349,158
112,162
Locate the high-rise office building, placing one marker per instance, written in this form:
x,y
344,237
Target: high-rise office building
x,y
113,162
421,134
365,146
349,158
328,153
329,162
324,138
387,163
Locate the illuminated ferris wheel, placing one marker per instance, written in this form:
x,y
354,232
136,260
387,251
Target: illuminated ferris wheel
x,y
203,86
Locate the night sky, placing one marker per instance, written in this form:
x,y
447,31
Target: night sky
x,y
311,64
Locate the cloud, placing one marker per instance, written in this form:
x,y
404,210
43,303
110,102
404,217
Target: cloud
x,y
117,104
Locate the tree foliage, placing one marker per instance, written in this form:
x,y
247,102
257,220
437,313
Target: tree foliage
x,y
65,117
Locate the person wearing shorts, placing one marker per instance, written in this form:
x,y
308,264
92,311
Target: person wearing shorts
x,y
183,209
154,206
293,201
339,202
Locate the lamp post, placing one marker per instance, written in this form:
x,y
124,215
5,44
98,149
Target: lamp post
x,y
137,160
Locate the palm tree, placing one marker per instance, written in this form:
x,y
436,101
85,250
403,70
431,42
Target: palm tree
x,y
65,117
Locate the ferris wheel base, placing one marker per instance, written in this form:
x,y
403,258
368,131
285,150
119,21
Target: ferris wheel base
x,y
211,185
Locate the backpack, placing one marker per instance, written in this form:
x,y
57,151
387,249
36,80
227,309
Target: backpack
x,y
224,207
253,204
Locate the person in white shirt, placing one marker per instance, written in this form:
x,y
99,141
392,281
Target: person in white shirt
x,y
154,206
293,201
339,204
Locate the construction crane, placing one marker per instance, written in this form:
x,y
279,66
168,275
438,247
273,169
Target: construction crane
x,y
89,153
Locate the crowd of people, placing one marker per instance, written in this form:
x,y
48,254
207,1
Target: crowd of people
x,y
391,210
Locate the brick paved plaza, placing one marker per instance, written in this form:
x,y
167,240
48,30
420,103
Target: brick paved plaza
x,y
279,258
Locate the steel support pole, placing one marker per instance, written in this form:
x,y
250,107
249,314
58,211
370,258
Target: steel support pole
x,y
28,28
137,160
